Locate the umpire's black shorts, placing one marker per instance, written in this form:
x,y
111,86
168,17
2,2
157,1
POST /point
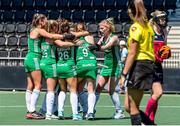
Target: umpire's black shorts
x,y
158,76
141,75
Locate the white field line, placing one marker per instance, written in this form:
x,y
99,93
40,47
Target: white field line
x,y
22,106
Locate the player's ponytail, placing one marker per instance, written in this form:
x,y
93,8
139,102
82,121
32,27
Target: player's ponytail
x,y
137,12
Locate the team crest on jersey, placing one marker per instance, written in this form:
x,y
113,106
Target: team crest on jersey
x,y
133,29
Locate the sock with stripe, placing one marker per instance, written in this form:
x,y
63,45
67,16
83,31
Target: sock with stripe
x,y
145,119
151,108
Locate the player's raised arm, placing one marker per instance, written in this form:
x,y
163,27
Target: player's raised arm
x,y
81,33
44,33
63,43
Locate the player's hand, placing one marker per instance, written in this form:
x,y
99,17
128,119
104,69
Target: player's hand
x,y
69,36
94,47
122,81
78,42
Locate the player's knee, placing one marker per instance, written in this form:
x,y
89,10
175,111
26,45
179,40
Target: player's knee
x,y
30,87
38,86
63,89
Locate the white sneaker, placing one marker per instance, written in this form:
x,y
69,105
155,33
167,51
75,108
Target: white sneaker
x,y
76,117
50,117
54,117
119,115
60,115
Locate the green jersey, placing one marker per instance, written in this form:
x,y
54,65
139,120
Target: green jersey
x,y
83,53
34,45
32,60
66,65
86,61
65,54
48,52
111,60
111,55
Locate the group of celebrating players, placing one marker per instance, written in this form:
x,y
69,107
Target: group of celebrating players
x,y
64,56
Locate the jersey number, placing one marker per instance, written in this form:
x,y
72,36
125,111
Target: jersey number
x,y
44,54
63,55
85,52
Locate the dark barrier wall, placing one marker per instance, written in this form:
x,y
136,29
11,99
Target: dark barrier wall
x,y
171,79
15,78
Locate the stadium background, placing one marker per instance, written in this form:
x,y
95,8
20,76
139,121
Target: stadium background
x,y
16,16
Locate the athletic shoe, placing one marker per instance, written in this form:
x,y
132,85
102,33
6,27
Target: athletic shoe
x,y
56,113
79,109
54,117
51,117
84,115
119,115
48,117
90,116
61,115
28,115
76,117
34,115
41,111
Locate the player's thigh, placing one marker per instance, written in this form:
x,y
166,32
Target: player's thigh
x,y
72,83
36,77
30,84
90,85
63,84
102,80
